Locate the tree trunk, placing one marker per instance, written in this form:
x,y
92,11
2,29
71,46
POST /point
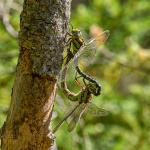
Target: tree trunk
x,y
43,27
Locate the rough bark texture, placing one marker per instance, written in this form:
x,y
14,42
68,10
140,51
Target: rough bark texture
x,y
43,27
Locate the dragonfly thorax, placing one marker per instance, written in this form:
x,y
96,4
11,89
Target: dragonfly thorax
x,y
76,41
85,96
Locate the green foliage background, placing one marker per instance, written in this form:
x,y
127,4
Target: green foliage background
x,y
124,78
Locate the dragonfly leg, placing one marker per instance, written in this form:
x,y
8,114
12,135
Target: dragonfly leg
x,y
69,34
69,53
77,76
68,42
76,79
66,36
84,81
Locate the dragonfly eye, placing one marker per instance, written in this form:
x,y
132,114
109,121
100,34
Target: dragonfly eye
x,y
95,89
98,90
76,32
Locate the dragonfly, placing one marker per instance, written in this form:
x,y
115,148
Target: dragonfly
x,y
84,105
84,102
76,45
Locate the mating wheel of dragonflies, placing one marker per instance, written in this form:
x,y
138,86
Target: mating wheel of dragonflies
x,y
75,47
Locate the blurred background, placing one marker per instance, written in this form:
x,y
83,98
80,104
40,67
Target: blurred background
x,y
121,65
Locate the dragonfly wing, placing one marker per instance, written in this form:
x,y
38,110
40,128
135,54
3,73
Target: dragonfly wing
x,y
93,42
96,111
75,117
102,38
91,45
67,115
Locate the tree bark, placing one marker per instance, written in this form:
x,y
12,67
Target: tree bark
x,y
43,26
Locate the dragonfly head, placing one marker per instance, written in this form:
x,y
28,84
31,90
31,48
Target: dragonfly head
x,y
76,32
95,89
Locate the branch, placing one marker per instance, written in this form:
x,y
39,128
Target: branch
x,y
43,26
